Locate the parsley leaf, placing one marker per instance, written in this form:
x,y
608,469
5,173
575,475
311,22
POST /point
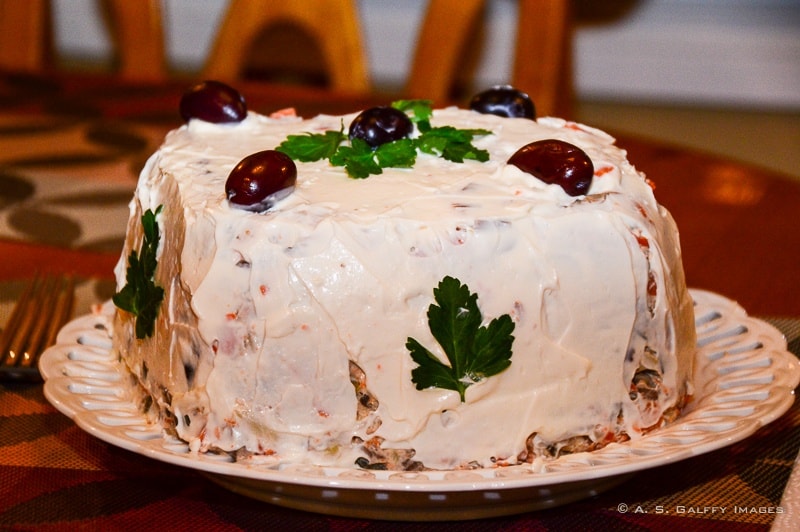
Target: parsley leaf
x,y
397,154
475,352
310,147
452,144
140,296
418,111
361,161
358,159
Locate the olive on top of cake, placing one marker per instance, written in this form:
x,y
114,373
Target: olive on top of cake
x,y
400,288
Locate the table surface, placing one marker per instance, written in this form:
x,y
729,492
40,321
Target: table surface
x,y
70,150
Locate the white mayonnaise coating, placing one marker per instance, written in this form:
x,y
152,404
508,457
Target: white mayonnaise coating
x,y
264,312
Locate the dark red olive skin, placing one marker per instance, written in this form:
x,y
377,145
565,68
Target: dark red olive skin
x,y
504,100
261,179
556,162
379,125
213,101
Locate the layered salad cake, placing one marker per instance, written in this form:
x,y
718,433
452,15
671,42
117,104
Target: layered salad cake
x,y
400,288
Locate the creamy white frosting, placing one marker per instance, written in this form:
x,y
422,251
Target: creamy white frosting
x,y
267,311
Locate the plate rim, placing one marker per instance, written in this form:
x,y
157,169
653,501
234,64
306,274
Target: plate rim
x,y
63,391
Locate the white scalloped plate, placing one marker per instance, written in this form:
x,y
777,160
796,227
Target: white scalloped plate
x,y
745,378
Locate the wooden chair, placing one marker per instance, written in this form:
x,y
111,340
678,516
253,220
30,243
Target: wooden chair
x,y
26,37
137,30
332,24
542,55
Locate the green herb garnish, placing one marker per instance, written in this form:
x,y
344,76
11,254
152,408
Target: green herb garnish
x,y
360,160
474,351
418,111
452,144
140,296
310,147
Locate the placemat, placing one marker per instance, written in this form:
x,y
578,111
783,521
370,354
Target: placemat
x,y
76,199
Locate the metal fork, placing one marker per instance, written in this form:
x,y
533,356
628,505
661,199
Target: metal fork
x,y
44,307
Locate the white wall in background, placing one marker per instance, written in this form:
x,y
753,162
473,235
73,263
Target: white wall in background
x,y
729,51
741,52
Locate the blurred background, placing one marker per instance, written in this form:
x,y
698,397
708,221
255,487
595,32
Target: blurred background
x,y
719,75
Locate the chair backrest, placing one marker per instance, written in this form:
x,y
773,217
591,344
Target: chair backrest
x,y
542,54
137,32
332,24
26,37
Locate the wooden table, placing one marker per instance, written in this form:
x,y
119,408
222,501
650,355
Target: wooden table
x,y
740,238
739,225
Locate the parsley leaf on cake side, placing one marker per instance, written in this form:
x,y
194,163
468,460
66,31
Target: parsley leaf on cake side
x,y
361,159
141,296
474,351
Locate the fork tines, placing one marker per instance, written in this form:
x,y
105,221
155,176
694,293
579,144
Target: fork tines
x,y
44,307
